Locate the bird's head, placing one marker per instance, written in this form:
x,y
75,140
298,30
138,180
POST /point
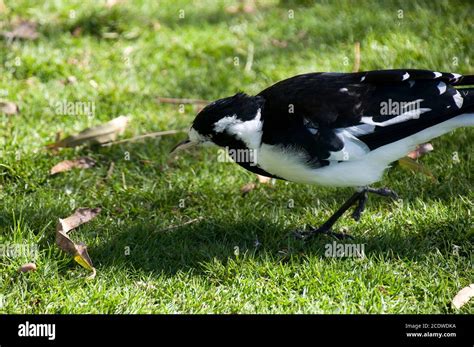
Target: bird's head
x,y
233,122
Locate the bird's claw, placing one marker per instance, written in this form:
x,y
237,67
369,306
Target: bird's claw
x,y
384,192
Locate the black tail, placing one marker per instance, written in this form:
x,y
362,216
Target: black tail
x,y
465,81
468,99
466,93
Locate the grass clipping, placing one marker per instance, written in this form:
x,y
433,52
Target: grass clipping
x,y
78,251
100,134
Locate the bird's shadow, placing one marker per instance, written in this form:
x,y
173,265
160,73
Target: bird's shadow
x,y
189,247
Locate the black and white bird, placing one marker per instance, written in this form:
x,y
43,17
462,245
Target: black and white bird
x,y
337,129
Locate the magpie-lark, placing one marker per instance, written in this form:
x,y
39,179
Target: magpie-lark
x,y
337,129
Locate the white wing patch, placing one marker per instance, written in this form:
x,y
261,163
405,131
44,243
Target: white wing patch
x,y
409,115
458,99
441,87
456,76
361,129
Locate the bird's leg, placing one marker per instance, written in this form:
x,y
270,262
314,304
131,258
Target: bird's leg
x,y
326,227
360,198
364,196
363,200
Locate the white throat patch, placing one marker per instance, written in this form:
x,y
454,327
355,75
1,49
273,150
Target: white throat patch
x,y
250,132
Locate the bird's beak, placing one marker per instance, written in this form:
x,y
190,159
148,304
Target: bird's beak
x,y
182,145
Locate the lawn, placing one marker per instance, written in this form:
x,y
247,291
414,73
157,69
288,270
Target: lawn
x,y
178,236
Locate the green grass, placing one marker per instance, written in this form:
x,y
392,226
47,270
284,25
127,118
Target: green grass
x,y
410,266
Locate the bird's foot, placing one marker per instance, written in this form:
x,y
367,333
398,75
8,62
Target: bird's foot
x,y
308,234
383,192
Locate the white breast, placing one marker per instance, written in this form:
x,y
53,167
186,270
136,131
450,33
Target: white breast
x,y
291,166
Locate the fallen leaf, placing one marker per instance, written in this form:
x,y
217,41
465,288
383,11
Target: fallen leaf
x,y
77,31
71,80
27,267
247,188
279,43
156,26
244,6
249,7
112,3
78,251
463,296
111,35
9,108
410,164
31,81
24,30
232,9
97,135
264,179
66,165
420,150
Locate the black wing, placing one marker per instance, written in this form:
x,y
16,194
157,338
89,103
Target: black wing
x,y
307,109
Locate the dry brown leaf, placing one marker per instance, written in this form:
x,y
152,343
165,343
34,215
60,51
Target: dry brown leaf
x,y
9,108
24,30
112,3
247,188
27,267
264,179
410,164
100,134
243,6
463,296
66,165
420,150
76,32
232,9
78,251
70,80
279,43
